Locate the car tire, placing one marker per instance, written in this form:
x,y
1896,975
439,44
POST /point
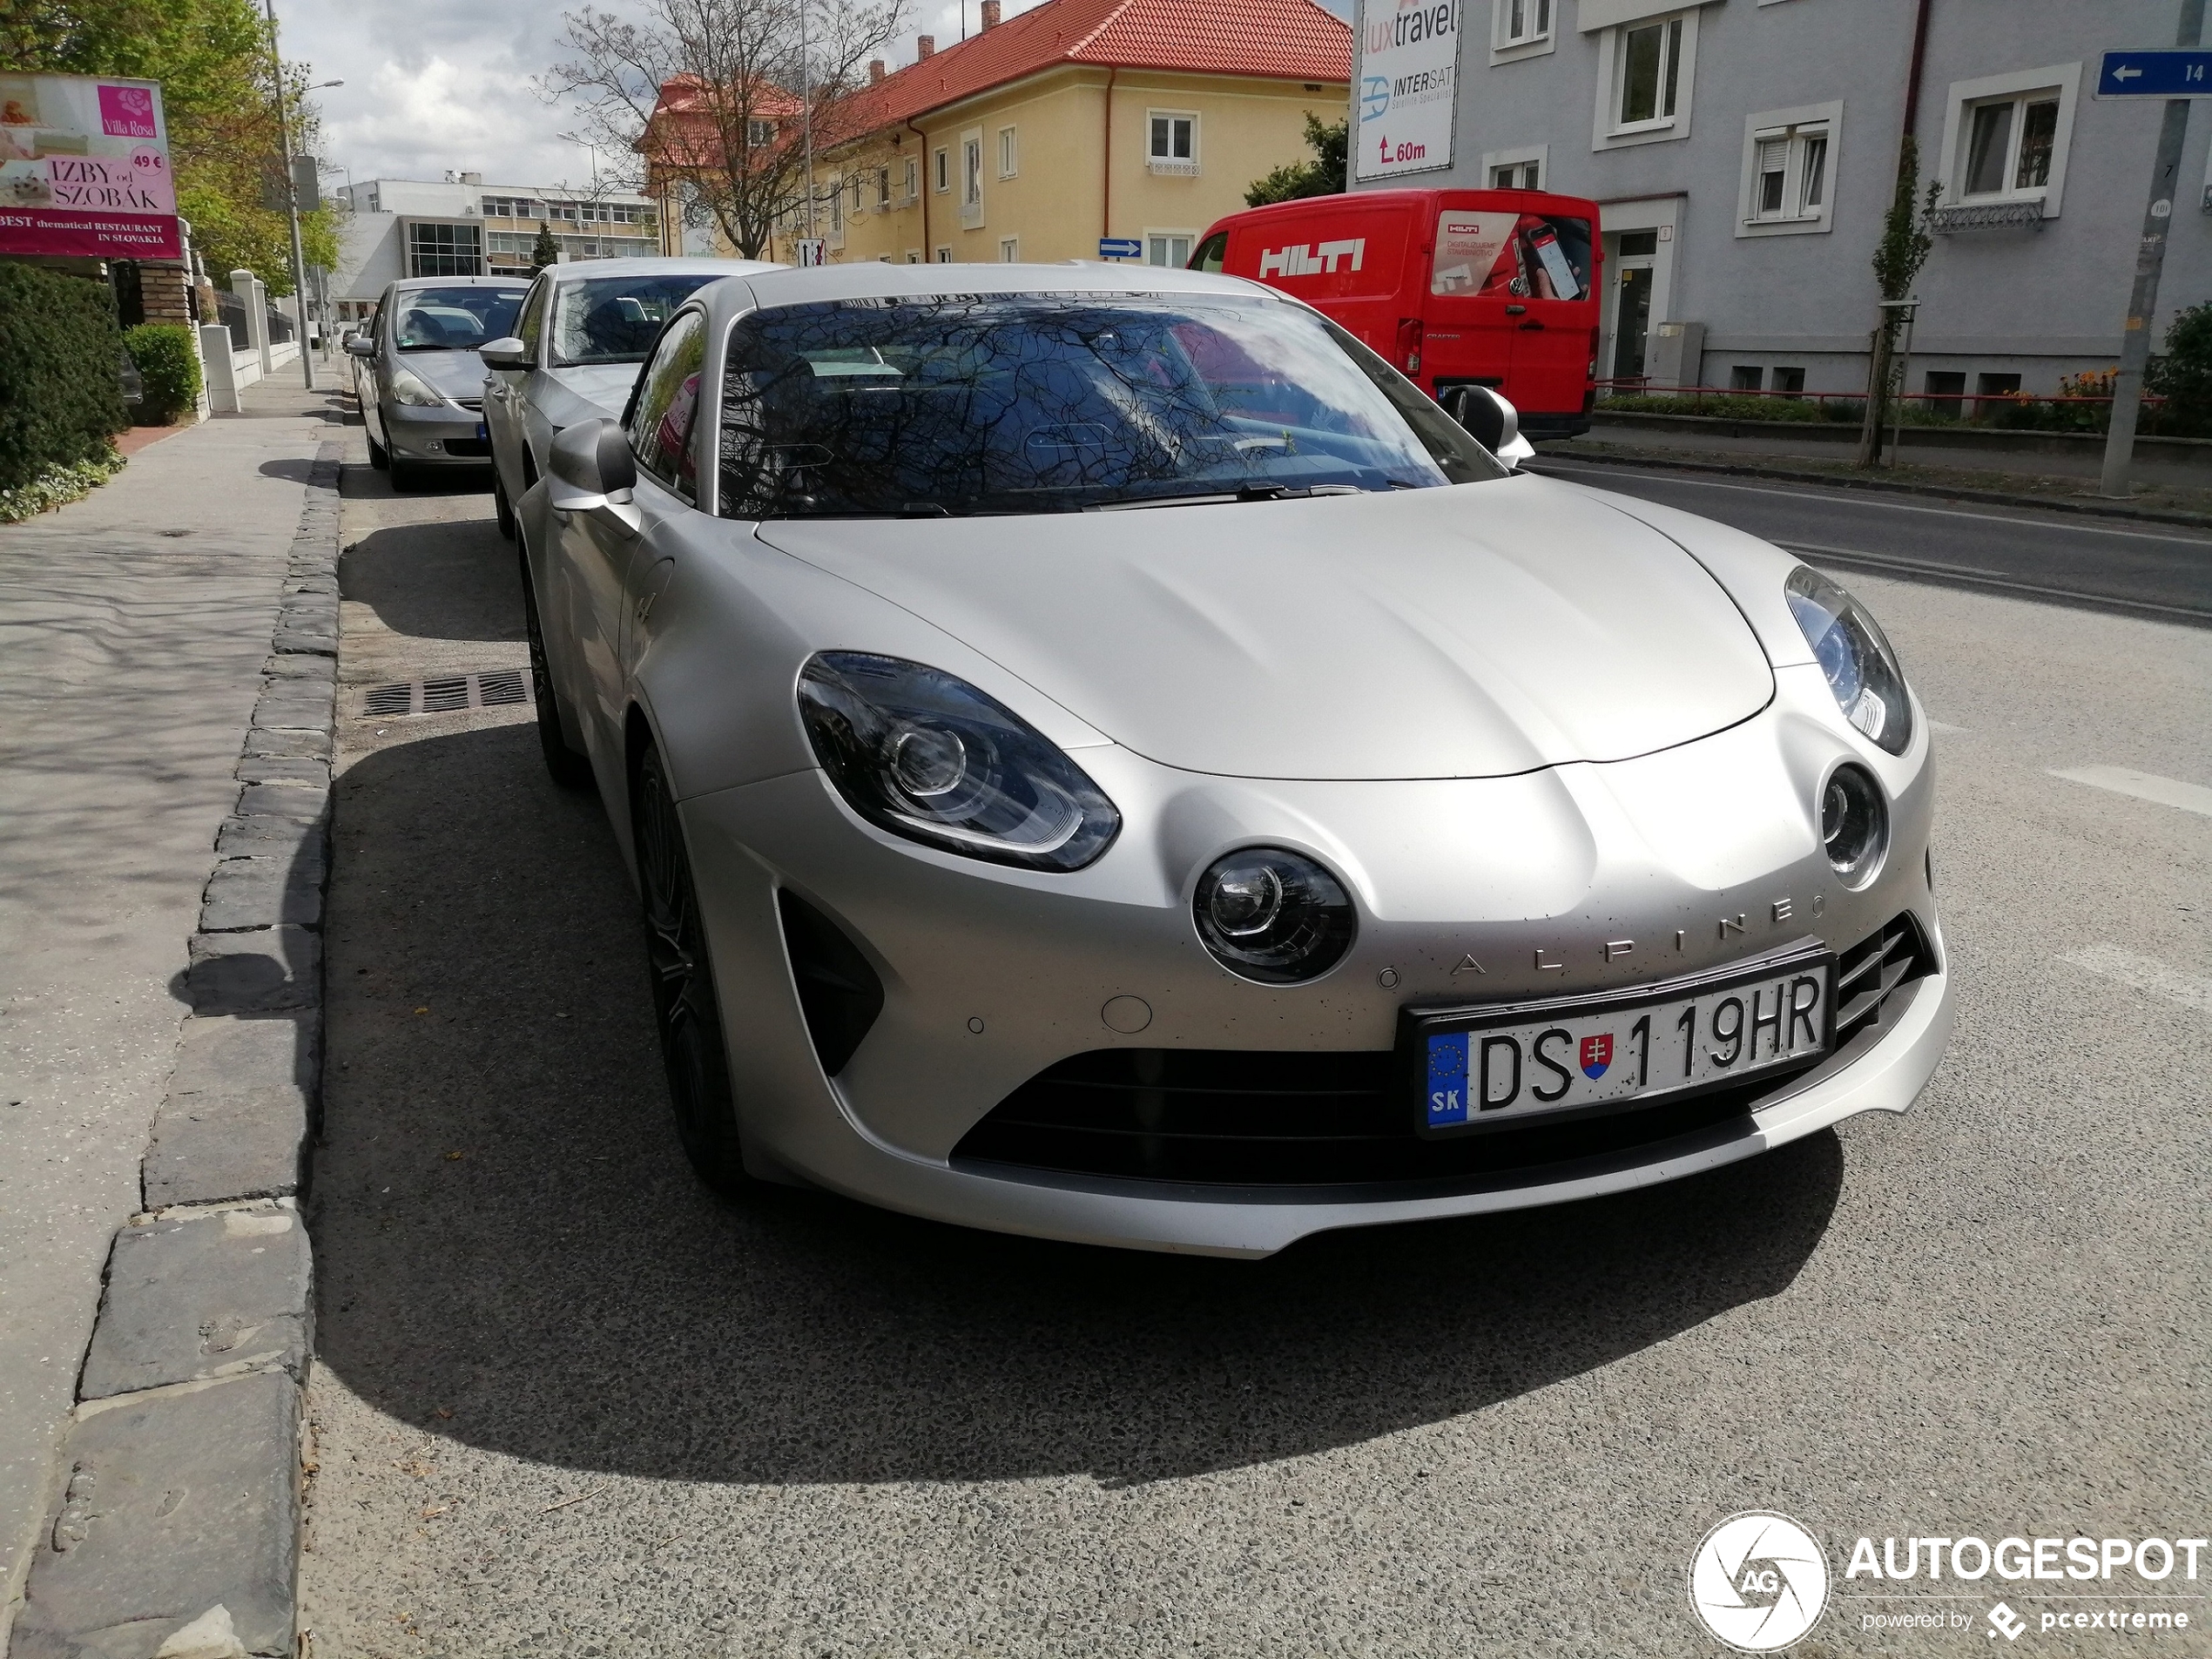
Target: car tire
x,y
564,765
684,1009
502,510
379,457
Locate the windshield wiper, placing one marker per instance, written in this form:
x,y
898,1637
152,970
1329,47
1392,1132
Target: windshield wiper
x,y
1248,491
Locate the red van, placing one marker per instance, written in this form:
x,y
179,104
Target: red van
x,y
1457,288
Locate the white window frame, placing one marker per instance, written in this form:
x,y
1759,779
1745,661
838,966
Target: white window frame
x,y
944,255
1518,157
913,179
971,177
883,190
913,256
1610,132
2018,86
1506,47
1010,250
1795,129
1188,237
1170,163
940,169
1008,154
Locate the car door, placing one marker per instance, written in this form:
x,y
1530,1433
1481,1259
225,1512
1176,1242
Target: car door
x,y
598,550
369,381
506,391
1553,342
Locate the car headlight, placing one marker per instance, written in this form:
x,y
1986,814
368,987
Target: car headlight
x,y
410,388
922,754
1853,653
1272,915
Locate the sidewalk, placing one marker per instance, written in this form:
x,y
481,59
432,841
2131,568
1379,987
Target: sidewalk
x,y
134,625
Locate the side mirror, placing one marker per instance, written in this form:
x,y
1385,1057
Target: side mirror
x,y
593,472
510,352
360,346
1493,421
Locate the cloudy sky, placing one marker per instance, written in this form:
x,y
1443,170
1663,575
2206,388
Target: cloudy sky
x,y
438,85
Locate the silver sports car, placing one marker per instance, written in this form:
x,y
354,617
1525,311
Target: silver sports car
x,y
1105,757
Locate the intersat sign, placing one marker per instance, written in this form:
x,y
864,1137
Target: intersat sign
x,y
84,168
1409,60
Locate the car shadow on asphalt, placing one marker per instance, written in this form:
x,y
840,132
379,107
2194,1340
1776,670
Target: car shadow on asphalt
x,y
436,578
510,1250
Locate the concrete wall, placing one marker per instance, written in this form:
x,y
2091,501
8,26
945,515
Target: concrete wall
x,y
2039,302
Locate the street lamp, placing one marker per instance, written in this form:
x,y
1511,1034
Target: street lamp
x,y
291,200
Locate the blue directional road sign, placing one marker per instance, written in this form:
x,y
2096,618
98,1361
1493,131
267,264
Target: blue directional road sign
x,y
2159,71
1120,248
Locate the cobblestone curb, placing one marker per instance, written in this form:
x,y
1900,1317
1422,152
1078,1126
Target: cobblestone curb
x,y
176,1529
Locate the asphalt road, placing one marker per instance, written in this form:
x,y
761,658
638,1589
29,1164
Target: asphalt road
x,y
566,1403
2161,572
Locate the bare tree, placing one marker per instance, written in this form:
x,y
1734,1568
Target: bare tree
x,y
723,103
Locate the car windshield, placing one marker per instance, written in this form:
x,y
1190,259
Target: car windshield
x,y
614,320
454,319
1031,403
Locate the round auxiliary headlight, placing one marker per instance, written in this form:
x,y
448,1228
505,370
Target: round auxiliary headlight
x,y
1272,915
1854,824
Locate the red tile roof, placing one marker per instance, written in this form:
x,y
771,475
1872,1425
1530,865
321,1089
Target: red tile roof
x,y
1288,40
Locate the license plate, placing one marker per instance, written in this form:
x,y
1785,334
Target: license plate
x,y
483,432
1479,1067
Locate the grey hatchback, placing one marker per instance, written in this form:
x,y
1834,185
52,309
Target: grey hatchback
x,y
421,383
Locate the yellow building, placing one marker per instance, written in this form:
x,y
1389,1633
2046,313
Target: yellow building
x,y
1080,122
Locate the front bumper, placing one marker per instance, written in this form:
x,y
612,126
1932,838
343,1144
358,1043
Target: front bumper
x,y
435,437
1506,887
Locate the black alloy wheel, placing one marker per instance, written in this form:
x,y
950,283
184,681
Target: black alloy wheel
x,y
683,979
566,767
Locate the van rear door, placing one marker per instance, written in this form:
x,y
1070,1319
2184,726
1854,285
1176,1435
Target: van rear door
x,y
1512,298
1552,341
1472,302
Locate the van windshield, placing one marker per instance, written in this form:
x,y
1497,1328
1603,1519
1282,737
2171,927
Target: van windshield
x,y
1038,403
1496,253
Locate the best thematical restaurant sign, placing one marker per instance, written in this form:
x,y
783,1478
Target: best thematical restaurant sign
x,y
1409,61
84,168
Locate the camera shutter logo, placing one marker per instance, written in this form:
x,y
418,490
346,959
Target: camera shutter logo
x,y
1758,1581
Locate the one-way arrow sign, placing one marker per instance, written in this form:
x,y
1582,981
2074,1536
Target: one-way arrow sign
x,y
2157,72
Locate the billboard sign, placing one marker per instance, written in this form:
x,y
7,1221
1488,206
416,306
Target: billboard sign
x,y
1408,85
84,168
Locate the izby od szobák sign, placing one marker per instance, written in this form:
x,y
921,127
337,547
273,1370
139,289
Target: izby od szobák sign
x,y
1409,60
84,168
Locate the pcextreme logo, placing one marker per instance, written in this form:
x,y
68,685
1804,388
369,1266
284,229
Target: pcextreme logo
x,y
1758,1581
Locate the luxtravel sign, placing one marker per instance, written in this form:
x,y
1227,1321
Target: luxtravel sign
x,y
1409,61
84,168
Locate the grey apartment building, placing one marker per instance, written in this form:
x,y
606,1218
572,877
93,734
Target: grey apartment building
x,y
1744,154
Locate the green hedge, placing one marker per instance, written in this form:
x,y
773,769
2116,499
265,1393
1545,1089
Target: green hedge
x,y
61,391
168,367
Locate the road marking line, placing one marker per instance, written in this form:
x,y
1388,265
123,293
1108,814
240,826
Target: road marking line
x,y
1955,731
2144,973
2148,785
1893,506
1898,559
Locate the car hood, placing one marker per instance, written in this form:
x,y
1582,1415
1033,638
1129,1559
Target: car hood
x,y
454,374
605,386
1456,632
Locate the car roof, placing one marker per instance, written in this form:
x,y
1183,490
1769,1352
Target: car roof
x,y
872,280
415,285
579,270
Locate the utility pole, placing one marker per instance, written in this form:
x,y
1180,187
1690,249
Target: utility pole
x,y
806,112
292,201
2150,255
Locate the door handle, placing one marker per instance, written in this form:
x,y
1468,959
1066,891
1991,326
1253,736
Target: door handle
x,y
1516,311
1527,325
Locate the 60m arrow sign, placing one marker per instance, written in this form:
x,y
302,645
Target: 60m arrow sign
x,y
2157,72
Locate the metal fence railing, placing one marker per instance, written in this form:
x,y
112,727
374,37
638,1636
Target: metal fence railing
x,y
1850,406
232,311
280,326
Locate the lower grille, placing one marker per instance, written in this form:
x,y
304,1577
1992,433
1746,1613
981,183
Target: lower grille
x,y
838,992
1296,1120
1871,972
468,448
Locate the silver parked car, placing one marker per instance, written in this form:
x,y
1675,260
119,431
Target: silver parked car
x,y
1104,756
417,376
574,355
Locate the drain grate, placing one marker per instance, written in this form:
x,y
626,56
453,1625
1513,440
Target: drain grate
x,y
446,694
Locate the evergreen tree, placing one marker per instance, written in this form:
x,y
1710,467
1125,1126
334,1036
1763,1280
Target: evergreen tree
x,y
1323,176
544,250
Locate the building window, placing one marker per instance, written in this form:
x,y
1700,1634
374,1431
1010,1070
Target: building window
x,y
1171,142
444,250
883,187
1519,29
1170,249
914,177
509,207
1997,388
1790,383
2005,140
940,172
1518,175
1010,250
1789,169
944,256
759,134
1521,168
971,171
1650,72
1008,156
1746,377
913,256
